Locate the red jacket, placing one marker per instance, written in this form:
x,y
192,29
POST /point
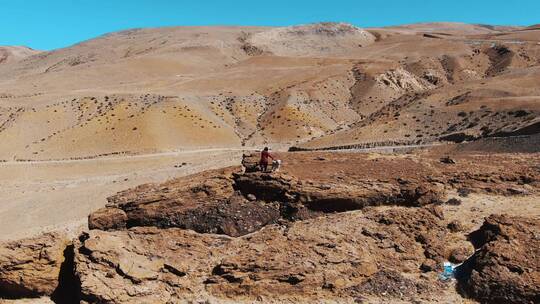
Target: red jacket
x,y
264,157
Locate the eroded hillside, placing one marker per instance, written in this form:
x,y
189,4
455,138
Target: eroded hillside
x,y
312,86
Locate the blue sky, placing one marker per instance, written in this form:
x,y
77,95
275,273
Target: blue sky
x,y
50,24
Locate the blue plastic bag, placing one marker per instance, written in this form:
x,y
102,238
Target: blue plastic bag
x,y
448,271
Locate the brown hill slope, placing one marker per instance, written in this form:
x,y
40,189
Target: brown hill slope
x,y
11,54
152,90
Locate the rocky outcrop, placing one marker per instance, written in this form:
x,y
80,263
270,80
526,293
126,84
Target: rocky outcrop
x,y
424,177
31,267
227,202
402,80
359,228
506,268
311,40
321,258
337,196
107,219
206,203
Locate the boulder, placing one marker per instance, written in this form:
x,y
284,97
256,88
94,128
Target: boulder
x,y
31,267
107,219
505,268
250,162
206,203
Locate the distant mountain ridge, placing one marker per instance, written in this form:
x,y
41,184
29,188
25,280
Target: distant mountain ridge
x,y
9,54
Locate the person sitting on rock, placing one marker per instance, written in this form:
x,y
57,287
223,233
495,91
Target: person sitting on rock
x,y
264,159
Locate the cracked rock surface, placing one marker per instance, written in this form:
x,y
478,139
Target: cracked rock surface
x,y
31,267
323,257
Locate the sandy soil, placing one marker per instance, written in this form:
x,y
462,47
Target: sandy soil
x,y
37,197
476,207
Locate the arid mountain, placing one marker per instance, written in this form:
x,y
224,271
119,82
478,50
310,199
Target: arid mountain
x,y
453,28
9,54
312,86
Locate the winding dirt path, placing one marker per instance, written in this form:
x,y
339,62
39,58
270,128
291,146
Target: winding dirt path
x,y
125,156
